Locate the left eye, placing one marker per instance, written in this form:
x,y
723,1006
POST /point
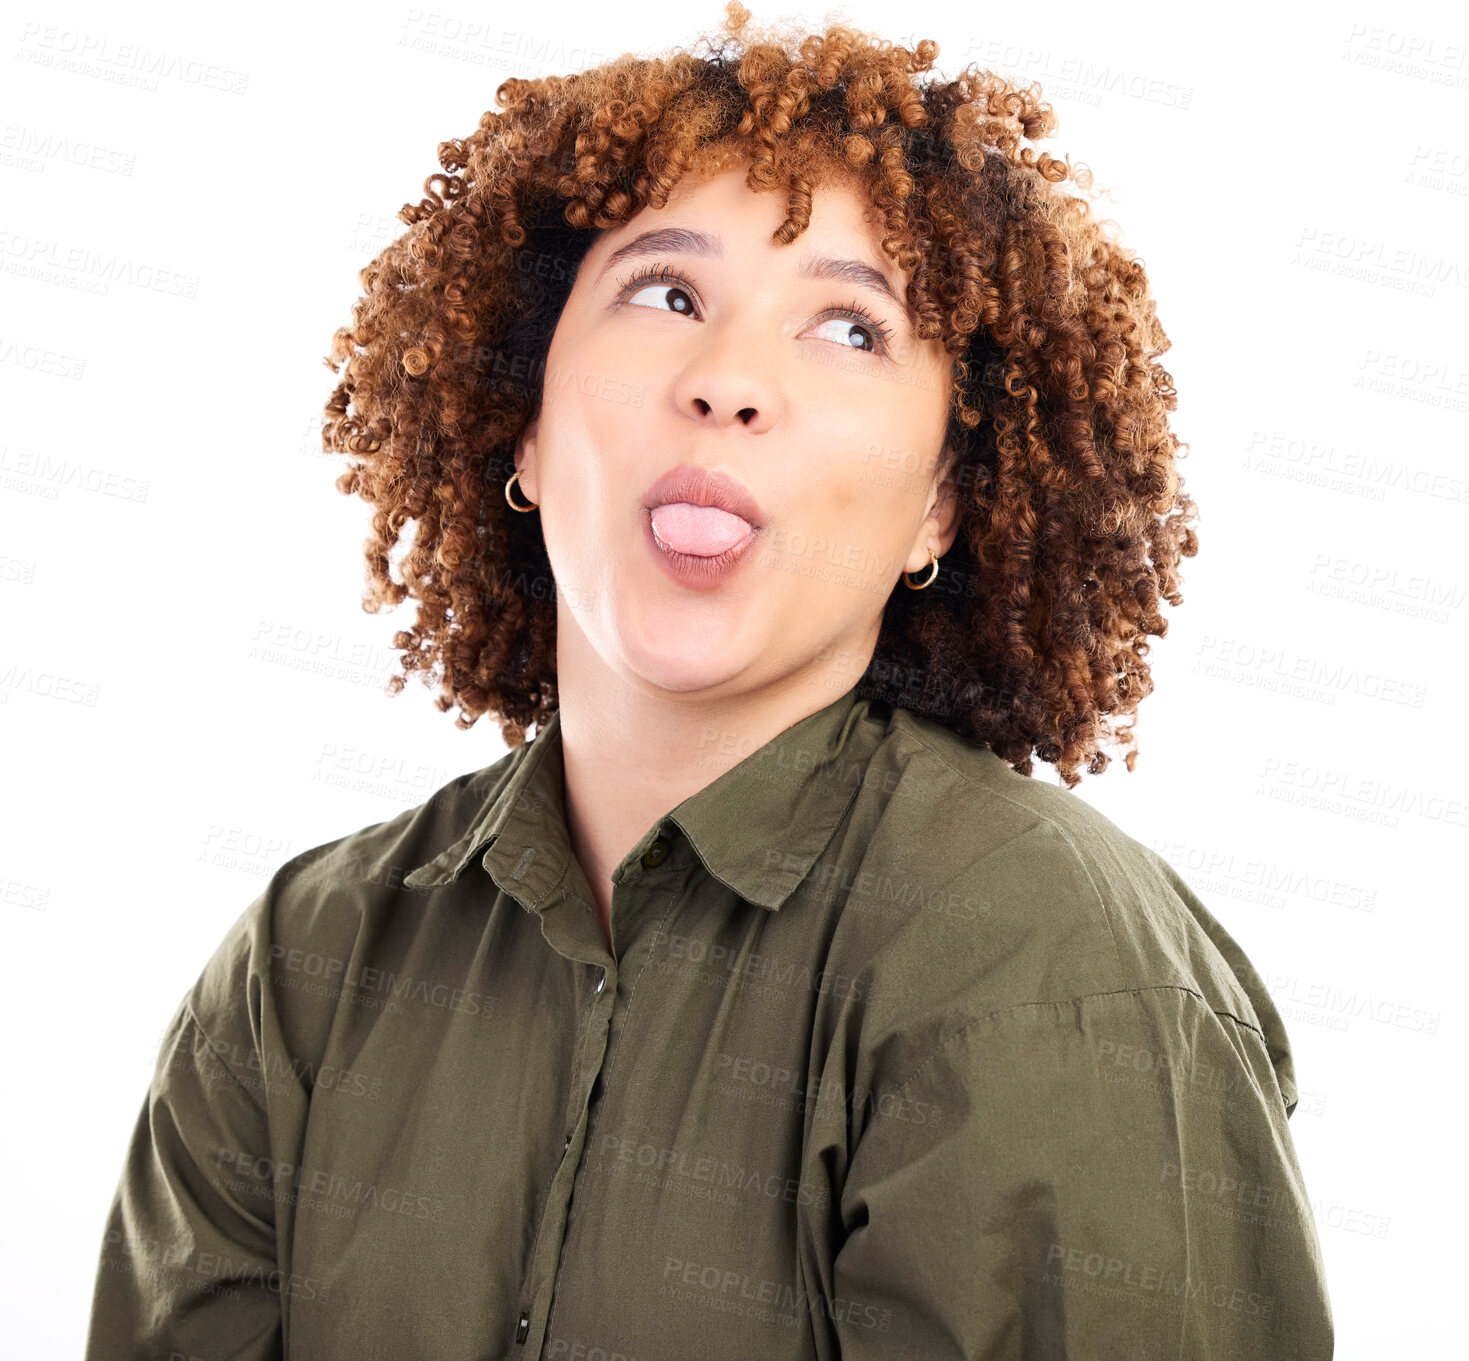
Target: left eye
x,y
861,326
667,291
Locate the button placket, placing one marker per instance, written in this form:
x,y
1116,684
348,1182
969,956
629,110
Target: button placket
x,y
547,1256
647,907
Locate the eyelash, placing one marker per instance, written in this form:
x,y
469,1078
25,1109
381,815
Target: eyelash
x,y
659,274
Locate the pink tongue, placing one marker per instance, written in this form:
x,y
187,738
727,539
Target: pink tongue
x,y
702,531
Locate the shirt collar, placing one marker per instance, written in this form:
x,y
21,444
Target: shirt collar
x,y
758,827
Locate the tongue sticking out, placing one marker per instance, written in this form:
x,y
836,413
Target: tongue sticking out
x,y
702,531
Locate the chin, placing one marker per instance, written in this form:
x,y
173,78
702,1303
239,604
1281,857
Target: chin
x,y
684,663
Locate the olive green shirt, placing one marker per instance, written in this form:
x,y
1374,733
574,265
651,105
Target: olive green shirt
x,y
897,1053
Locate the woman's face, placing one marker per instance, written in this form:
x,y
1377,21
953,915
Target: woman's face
x,y
732,359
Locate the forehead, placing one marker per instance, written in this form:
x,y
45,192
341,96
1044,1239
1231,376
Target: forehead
x,y
714,213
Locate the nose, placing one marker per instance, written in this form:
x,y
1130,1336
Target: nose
x,y
728,379
745,414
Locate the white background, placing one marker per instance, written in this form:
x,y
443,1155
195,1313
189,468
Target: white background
x,y
190,693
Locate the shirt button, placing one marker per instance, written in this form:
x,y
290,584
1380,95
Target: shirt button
x,y
523,1327
602,982
567,1144
656,854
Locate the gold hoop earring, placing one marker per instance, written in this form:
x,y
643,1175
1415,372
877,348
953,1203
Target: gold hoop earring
x,y
514,478
933,571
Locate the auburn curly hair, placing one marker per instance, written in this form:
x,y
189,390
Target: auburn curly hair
x,y
1072,515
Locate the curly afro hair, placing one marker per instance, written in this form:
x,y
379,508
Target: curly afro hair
x,y
1033,638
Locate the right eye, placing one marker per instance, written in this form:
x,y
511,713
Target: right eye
x,y
669,284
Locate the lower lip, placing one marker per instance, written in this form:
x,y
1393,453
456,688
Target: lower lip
x,y
699,574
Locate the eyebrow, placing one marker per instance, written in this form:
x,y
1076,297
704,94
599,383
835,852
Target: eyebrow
x,y
688,241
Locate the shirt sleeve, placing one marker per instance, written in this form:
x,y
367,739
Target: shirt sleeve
x,y
188,1258
1107,1177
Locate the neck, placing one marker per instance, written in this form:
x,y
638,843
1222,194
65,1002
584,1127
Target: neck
x,y
633,752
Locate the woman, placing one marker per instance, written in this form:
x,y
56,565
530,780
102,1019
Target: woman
x,y
761,1005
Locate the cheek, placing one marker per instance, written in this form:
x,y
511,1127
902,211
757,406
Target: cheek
x,y
873,438
847,522
600,351
828,495
847,496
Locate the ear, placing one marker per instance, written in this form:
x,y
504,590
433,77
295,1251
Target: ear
x,y
940,526
944,513
525,455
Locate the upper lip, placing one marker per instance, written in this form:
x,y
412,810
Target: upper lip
x,y
704,487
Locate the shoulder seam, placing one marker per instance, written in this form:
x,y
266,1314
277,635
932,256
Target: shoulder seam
x,y
920,736
1060,831
1079,997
